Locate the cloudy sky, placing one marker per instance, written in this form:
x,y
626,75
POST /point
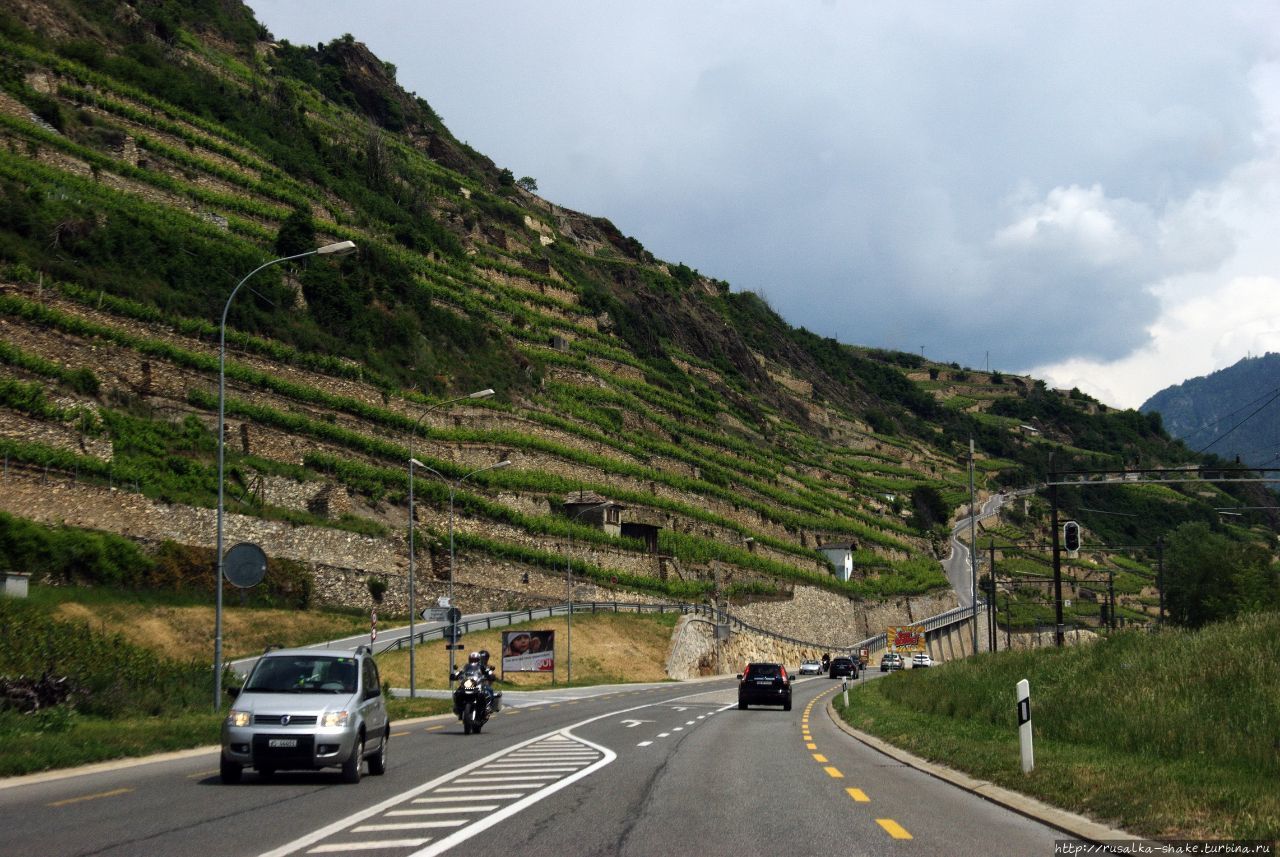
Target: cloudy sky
x,y
1084,190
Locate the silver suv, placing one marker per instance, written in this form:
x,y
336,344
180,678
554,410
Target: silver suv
x,y
309,709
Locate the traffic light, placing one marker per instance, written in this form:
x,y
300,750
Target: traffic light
x,y
1071,536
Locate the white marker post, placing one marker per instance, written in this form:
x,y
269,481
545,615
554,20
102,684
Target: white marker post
x,y
1024,726
846,692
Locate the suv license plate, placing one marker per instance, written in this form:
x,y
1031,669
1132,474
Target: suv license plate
x,y
282,742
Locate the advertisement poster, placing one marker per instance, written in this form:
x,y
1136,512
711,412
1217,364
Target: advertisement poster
x,y
528,651
905,638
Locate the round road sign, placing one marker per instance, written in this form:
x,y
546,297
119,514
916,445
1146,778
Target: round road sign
x,y
454,616
245,565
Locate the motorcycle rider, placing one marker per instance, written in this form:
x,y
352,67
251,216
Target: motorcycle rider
x,y
478,665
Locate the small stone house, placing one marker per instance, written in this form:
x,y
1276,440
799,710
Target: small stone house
x,y
840,555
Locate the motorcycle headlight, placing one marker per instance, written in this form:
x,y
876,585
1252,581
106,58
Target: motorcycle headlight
x,y
335,718
470,684
239,718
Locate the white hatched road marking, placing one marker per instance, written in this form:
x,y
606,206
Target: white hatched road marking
x,y
468,787
561,746
376,845
445,810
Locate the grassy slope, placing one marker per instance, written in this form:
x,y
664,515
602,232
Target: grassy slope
x,y
111,648
1169,735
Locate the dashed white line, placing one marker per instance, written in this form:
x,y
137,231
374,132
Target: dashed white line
x,y
644,743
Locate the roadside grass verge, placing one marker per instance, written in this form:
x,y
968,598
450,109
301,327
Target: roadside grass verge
x,y
129,700
608,648
1171,735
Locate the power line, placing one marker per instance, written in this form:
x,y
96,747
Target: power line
x,y
1274,395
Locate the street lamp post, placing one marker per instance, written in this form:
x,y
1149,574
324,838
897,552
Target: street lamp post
x,y
568,582
454,485
341,248
479,394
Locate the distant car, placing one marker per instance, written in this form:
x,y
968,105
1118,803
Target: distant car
x,y
308,709
811,667
764,684
843,667
921,659
890,661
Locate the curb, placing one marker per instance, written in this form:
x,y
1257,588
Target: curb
x,y
1077,826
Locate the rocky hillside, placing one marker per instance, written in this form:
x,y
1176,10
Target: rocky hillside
x,y
154,154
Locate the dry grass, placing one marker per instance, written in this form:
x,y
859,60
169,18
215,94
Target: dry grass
x,y
186,633
607,647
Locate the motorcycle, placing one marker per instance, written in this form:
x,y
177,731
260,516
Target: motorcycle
x,y
474,700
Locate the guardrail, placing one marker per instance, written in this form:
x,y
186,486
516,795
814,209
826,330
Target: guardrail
x,y
955,616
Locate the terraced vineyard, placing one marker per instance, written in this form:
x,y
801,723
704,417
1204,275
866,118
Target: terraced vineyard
x,y
147,165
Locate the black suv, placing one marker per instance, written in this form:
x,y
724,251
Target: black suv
x,y
764,684
843,667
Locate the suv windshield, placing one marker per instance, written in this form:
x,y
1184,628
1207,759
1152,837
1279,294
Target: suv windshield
x,y
303,674
762,671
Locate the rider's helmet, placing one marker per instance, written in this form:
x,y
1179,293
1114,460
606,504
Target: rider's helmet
x,y
484,656
473,658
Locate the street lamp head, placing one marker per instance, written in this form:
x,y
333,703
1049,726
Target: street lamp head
x,y
481,394
342,248
501,464
416,463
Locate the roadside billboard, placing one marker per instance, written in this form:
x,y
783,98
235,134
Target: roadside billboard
x,y
528,651
905,638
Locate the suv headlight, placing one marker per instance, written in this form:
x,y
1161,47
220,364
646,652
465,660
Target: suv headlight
x,y
335,718
239,718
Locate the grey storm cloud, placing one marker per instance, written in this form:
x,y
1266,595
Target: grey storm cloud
x,y
1013,178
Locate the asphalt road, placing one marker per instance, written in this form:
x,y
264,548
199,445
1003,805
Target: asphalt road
x,y
664,769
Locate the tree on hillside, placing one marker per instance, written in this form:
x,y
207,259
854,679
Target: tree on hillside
x,y
1208,577
297,234
927,507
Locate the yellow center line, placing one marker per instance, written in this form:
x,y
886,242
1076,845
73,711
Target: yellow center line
x,y
893,828
818,757
834,772
72,800
433,728
811,746
398,734
859,795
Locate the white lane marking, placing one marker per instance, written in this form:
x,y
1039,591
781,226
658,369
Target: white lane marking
x,y
409,825
412,794
451,798
473,788
644,743
678,729
446,810
373,845
691,723
607,756
511,782
664,734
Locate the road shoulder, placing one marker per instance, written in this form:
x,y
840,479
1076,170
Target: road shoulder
x,y
1073,824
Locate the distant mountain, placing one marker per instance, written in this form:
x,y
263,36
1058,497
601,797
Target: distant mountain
x,y
1232,412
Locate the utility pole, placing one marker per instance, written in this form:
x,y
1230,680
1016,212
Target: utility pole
x,y
1160,577
973,551
1059,633
992,629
